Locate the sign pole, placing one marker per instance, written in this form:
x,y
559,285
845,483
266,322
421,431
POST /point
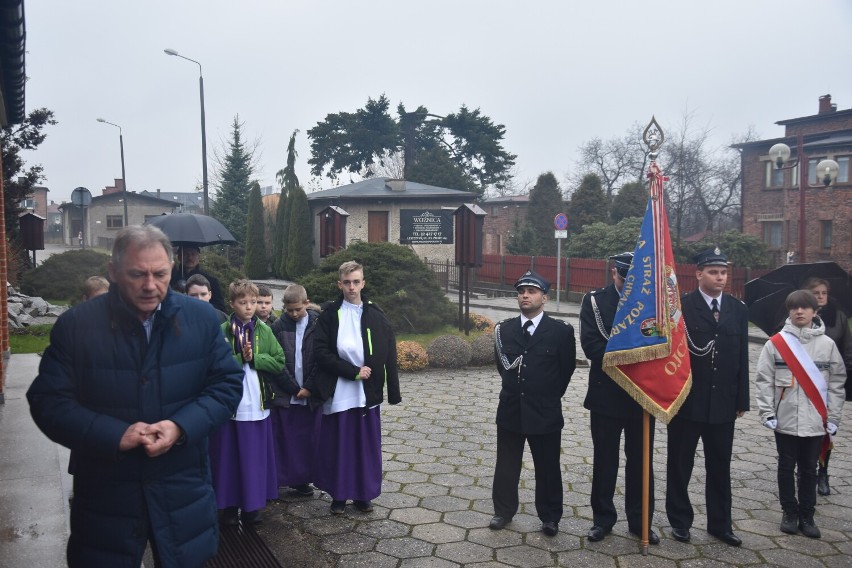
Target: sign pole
x,y
558,271
560,223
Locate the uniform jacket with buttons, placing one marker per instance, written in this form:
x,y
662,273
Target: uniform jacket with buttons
x,y
531,394
720,378
604,395
779,393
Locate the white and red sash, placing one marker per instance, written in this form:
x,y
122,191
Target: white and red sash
x,y
805,371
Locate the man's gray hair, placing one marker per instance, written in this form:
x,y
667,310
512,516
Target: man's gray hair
x,y
142,236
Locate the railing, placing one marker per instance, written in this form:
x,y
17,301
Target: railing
x,y
498,273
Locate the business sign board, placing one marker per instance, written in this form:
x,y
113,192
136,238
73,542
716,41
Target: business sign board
x,y
426,227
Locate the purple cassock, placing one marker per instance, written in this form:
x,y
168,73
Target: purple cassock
x,y
296,437
242,457
349,464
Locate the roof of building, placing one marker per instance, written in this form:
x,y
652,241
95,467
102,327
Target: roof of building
x,y
131,197
818,140
508,199
184,198
823,116
388,188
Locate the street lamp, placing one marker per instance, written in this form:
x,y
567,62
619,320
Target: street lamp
x,y
203,128
123,178
826,173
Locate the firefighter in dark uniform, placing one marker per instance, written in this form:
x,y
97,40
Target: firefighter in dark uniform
x,y
612,411
717,330
536,356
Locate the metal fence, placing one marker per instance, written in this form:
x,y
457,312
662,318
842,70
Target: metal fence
x,y
498,274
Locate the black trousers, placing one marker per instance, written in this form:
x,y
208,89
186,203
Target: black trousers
x,y
606,438
803,453
545,449
718,442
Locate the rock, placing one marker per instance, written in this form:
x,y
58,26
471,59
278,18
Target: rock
x,y
37,307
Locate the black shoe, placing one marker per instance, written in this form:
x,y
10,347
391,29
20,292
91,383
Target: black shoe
x,y
808,527
230,517
550,528
790,523
681,535
251,518
303,490
597,533
822,482
363,506
728,537
498,523
653,538
338,507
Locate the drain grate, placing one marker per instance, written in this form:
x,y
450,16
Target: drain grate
x,y
241,547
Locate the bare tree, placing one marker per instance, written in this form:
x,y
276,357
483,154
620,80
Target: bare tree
x,y
615,161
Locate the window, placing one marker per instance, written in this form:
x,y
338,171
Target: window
x,y
812,170
115,221
774,176
843,171
825,234
772,234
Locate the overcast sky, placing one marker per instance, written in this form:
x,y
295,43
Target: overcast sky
x,y
556,73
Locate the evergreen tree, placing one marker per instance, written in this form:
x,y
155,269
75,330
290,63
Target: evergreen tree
x,y
630,201
588,204
255,265
288,180
284,228
545,203
520,239
234,185
300,240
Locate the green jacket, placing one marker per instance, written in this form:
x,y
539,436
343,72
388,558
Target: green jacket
x,y
267,358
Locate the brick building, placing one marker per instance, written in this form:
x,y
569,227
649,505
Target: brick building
x,y
771,197
504,214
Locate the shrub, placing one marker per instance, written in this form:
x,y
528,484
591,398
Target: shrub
x,y
397,281
482,350
61,276
449,351
410,356
216,265
480,323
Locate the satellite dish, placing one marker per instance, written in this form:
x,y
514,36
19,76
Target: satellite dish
x,y
81,197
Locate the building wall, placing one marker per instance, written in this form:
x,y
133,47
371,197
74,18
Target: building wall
x,y
499,223
762,205
356,225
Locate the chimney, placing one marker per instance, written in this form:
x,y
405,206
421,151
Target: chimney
x,y
396,184
825,105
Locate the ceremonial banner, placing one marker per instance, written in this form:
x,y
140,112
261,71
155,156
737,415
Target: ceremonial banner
x,y
647,352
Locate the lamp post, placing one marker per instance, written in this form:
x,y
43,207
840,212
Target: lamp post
x,y
123,178
203,128
826,173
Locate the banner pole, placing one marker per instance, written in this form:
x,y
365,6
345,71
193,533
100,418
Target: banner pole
x,y
646,479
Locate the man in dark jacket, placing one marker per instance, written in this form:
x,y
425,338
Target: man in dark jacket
x,y
717,327
613,411
188,265
536,356
133,382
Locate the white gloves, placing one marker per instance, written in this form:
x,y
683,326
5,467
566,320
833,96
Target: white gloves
x,y
831,428
771,423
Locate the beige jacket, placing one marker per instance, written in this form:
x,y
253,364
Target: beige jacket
x,y
779,395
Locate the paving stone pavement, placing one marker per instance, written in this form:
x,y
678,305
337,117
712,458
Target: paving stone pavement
x,y
439,453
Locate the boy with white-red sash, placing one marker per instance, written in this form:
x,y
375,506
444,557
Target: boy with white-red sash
x,y
800,395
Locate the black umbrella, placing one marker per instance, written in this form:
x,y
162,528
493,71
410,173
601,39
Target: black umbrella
x,y
185,229
765,296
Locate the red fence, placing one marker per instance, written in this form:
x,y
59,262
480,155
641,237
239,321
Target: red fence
x,y
498,274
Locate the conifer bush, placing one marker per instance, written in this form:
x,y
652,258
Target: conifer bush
x,y
410,356
449,351
482,350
